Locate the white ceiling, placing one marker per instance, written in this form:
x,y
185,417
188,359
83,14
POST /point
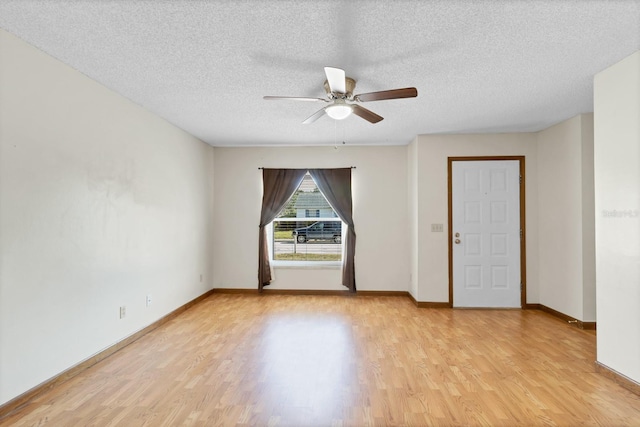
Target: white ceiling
x,y
479,66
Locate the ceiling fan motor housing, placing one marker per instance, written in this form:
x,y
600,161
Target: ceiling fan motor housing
x,y
350,85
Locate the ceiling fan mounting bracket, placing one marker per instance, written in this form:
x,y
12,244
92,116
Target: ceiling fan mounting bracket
x,y
350,84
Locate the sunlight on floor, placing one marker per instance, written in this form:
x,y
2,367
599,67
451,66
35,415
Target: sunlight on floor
x,y
307,360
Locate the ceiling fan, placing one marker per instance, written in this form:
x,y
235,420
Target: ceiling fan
x,y
342,102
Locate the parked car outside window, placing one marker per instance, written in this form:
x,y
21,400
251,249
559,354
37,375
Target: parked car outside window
x,y
321,230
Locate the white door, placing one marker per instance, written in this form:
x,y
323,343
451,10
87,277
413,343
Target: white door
x,y
486,233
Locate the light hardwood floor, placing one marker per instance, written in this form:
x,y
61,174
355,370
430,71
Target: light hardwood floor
x,y
271,360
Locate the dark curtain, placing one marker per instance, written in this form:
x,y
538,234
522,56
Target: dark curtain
x,y
335,184
278,186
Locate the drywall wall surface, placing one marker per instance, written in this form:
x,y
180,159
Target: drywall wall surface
x,y
588,222
412,199
101,204
379,187
617,215
433,152
564,196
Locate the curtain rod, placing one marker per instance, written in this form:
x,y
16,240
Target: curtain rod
x,y
352,167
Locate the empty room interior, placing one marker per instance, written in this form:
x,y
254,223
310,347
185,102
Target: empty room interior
x,y
320,213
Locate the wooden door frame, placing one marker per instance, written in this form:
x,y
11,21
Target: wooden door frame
x,y
523,239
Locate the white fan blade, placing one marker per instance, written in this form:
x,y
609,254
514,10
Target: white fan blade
x,y
336,79
314,117
293,98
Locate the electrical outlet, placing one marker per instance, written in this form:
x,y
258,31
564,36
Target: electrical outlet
x,y
148,300
201,278
123,311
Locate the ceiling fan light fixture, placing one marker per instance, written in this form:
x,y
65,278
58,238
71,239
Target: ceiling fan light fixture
x,y
339,110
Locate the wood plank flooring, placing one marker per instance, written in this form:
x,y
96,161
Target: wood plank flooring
x,y
282,360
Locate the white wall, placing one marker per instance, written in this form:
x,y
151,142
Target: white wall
x,y
617,201
588,222
432,152
565,215
412,199
379,185
101,203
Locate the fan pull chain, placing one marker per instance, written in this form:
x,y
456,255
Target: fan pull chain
x,y
344,134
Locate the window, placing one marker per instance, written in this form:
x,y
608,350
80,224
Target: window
x,y
312,213
307,228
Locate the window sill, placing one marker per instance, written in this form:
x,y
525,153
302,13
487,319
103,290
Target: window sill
x,y
311,265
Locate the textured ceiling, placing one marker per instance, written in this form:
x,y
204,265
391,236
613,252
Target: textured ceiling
x,y
479,66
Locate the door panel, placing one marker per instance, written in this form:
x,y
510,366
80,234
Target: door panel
x,y
486,233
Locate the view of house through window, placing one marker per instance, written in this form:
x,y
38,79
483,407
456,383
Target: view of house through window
x,y
307,228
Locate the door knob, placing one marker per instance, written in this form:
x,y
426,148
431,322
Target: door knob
x,y
457,234
457,241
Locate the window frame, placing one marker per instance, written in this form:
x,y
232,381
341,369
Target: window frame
x,y
306,264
